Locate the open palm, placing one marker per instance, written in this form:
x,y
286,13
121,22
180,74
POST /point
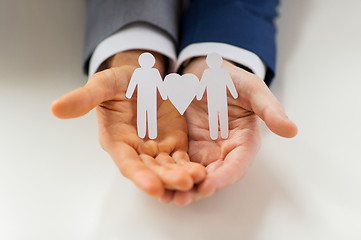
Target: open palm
x,y
227,160
155,166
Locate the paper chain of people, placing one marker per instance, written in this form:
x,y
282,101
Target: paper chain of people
x,y
181,91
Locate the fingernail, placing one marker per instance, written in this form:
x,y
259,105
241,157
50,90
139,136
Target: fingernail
x,y
188,202
210,194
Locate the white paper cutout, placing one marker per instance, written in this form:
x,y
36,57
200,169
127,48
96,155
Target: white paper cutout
x,y
181,90
147,79
216,80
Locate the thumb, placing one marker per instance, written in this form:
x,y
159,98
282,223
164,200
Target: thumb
x,y
259,99
100,87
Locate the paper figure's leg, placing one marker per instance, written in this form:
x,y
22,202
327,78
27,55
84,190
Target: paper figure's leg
x,y
152,123
141,120
213,124
223,122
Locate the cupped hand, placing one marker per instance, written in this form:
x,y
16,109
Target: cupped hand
x,y
227,160
156,166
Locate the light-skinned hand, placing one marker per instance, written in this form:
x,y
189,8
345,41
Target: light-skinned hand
x,y
159,166
227,160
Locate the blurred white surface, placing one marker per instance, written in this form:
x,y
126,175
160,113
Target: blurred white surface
x,y
57,183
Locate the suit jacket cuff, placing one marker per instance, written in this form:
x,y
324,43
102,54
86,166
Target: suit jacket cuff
x,y
227,51
135,36
106,17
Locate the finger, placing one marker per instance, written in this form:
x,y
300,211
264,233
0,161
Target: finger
x,y
172,140
209,186
101,87
185,198
167,197
195,170
260,100
167,144
164,159
222,174
181,157
172,178
180,160
131,167
150,148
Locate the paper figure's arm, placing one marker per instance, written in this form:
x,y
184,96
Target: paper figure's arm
x,y
202,86
161,87
132,84
230,85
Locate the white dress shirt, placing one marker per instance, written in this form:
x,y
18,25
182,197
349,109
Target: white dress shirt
x,y
147,37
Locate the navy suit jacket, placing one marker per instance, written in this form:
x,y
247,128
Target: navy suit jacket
x,y
248,24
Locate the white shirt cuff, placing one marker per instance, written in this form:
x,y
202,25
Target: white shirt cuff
x,y
134,36
227,51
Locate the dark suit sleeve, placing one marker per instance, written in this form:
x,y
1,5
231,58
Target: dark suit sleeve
x,y
106,17
248,24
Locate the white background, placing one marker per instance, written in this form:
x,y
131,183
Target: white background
x,y
57,183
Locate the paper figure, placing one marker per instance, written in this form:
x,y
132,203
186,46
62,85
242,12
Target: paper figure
x,y
148,80
181,90
216,80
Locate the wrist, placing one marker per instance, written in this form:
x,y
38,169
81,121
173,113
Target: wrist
x,y
193,64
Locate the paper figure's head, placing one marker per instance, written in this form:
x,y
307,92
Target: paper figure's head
x,y
146,60
214,60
